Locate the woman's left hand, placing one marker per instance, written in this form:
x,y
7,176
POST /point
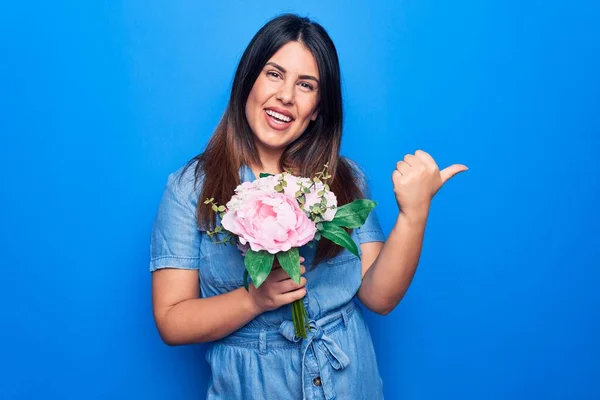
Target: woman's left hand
x,y
417,179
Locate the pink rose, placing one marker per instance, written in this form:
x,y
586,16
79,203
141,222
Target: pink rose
x,y
269,221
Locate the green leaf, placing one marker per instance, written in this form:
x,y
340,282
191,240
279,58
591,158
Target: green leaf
x,y
258,264
246,280
264,175
290,262
215,208
354,215
221,208
339,236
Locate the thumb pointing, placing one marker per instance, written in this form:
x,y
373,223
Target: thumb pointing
x,y
452,170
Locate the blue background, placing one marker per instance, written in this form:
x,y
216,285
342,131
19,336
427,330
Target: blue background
x,y
99,101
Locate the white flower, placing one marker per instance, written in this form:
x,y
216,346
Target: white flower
x,y
293,185
313,198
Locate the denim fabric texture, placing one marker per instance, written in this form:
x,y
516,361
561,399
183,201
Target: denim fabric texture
x,y
263,359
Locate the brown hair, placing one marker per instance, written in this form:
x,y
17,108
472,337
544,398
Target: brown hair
x,y
232,143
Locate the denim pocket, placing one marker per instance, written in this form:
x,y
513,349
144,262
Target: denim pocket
x,y
222,265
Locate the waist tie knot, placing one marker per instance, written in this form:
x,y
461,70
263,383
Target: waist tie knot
x,y
323,344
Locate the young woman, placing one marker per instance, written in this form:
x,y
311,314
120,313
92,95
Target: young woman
x,y
285,112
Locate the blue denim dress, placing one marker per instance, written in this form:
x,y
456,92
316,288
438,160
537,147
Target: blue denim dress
x,y
263,359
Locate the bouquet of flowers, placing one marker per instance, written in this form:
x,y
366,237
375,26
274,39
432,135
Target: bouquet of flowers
x,y
275,215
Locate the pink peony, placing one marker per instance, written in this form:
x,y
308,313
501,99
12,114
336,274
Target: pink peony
x,y
268,221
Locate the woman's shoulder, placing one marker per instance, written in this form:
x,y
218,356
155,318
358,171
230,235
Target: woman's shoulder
x,y
362,178
186,182
356,169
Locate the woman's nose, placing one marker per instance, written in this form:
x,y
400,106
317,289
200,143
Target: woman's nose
x,y
286,94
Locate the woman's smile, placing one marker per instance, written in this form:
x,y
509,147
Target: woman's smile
x,y
278,119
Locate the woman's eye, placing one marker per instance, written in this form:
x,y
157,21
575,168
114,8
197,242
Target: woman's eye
x,y
273,74
306,85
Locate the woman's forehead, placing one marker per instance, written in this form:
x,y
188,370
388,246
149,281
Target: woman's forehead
x,y
295,57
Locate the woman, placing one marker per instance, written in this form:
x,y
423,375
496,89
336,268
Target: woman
x,y
285,112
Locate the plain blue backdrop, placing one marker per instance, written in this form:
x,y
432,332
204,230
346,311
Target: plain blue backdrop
x,y
100,101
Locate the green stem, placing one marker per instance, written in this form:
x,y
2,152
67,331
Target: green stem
x,y
300,319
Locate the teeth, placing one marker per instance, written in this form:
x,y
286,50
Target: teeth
x,y
278,116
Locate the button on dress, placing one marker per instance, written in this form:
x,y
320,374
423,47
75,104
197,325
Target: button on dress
x,y
264,359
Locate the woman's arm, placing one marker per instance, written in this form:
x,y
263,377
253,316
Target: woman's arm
x,y
183,318
388,268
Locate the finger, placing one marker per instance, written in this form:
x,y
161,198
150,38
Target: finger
x,y
292,296
281,275
426,158
411,160
278,275
398,165
452,170
288,285
402,167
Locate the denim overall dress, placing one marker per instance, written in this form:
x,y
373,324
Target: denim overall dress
x,y
264,359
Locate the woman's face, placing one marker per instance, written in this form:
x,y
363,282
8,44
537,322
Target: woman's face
x,y
284,98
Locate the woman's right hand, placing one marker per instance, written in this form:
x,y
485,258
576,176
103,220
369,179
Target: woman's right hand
x,y
278,289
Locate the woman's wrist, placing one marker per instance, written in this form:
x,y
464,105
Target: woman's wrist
x,y
249,304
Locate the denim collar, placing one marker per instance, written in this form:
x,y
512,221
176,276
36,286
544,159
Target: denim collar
x,y
246,174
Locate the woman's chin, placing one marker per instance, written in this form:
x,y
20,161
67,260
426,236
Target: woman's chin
x,y
273,143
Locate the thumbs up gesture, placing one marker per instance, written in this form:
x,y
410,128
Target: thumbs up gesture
x,y
417,179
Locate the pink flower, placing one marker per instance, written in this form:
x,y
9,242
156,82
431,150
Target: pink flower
x,y
268,221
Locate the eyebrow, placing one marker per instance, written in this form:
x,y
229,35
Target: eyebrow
x,y
279,67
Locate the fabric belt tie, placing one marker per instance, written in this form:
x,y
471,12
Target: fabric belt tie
x,y
323,344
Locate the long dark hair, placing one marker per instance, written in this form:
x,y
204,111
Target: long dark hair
x,y
232,143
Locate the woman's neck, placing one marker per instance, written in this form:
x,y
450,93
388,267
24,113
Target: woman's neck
x,y
266,168
270,163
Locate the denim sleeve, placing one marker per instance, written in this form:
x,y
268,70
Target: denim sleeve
x,y
175,238
371,230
